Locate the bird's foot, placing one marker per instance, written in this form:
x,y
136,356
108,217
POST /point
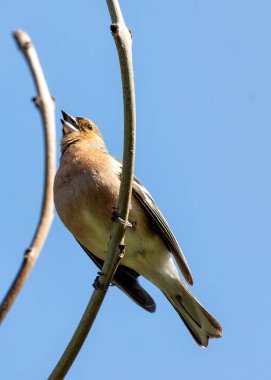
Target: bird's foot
x,y
116,218
97,285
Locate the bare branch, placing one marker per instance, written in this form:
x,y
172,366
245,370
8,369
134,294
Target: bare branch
x,y
46,106
115,252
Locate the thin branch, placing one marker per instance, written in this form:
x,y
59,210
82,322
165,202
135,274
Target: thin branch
x,y
46,106
116,245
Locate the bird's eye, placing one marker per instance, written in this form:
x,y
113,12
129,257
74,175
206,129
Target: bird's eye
x,y
89,126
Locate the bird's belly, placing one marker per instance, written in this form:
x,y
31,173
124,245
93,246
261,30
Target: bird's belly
x,y
84,201
94,233
145,252
90,223
143,248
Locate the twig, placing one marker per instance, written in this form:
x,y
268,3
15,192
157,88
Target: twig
x,y
116,245
46,106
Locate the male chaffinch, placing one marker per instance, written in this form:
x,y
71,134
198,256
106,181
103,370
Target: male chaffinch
x,y
86,189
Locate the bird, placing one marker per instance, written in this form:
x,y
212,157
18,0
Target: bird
x,y
86,190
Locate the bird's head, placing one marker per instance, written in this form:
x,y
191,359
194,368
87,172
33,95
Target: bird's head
x,y
80,128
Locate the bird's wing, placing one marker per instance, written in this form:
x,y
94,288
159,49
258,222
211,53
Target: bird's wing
x,y
126,279
144,197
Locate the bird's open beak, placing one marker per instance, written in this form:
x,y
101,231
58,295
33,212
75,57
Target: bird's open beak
x,y
69,123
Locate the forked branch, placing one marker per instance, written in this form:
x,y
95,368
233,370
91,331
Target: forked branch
x,y
115,252
46,106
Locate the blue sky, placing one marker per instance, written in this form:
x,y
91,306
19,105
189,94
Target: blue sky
x,y
203,83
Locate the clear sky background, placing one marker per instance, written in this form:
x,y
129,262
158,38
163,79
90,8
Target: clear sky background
x,y
203,83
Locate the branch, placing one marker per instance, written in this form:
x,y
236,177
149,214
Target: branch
x,y
116,245
45,104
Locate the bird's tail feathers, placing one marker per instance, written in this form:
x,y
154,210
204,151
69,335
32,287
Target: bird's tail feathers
x,y
200,323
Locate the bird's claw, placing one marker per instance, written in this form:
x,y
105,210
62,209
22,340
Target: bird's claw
x,y
97,285
116,218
